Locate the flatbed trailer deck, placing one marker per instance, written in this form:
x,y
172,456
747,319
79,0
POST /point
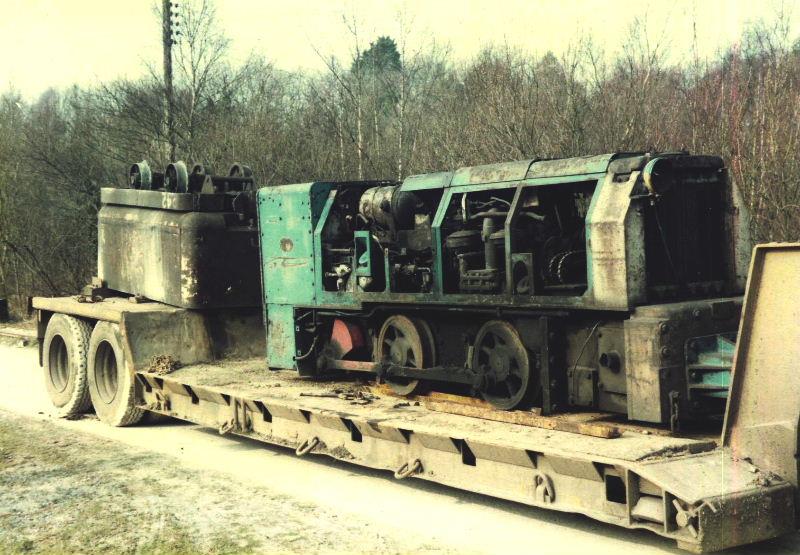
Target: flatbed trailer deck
x,y
706,492
636,480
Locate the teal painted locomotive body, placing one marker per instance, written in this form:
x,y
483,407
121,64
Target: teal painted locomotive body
x,y
597,274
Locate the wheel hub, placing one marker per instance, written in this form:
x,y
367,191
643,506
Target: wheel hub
x,y
500,363
59,363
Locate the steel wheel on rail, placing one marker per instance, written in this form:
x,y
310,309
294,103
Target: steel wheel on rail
x,y
112,386
64,359
502,356
405,342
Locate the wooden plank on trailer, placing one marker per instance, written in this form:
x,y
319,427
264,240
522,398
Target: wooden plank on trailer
x,y
523,418
385,389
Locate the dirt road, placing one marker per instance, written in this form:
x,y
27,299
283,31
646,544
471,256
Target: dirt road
x,y
69,486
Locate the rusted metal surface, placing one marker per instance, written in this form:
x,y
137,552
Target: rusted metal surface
x,y
655,340
184,239
616,253
183,202
763,418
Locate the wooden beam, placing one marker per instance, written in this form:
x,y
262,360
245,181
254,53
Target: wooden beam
x,y
523,418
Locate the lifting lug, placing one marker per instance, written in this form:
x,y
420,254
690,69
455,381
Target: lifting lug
x,y
307,446
408,469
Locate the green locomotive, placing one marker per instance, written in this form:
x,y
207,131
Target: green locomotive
x,y
600,282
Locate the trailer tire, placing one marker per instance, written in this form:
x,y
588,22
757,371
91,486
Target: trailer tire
x,y
111,384
64,358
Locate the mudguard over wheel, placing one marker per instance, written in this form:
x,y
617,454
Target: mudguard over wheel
x,y
65,353
111,383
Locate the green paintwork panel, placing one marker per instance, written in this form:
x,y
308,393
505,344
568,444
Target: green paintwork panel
x,y
560,180
364,254
516,171
424,181
286,215
709,360
530,170
491,173
570,166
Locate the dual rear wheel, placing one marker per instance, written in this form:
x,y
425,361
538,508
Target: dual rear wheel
x,y
65,355
85,367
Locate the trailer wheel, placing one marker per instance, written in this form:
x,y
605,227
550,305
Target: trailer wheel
x,y
111,385
66,342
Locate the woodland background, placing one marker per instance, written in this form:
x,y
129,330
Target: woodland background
x,y
392,109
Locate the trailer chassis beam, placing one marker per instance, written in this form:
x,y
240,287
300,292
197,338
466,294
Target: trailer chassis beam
x,y
647,494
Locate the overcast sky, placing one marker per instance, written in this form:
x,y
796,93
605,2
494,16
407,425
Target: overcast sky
x,y
46,43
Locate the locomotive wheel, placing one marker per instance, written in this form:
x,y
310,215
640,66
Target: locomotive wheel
x,y
200,169
240,170
176,178
140,176
197,176
405,342
499,352
111,385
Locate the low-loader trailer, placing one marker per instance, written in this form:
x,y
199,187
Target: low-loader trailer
x,y
558,333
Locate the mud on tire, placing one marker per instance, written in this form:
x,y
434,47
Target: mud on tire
x,y
111,384
64,357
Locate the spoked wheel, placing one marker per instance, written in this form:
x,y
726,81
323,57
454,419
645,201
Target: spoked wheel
x,y
499,352
405,342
